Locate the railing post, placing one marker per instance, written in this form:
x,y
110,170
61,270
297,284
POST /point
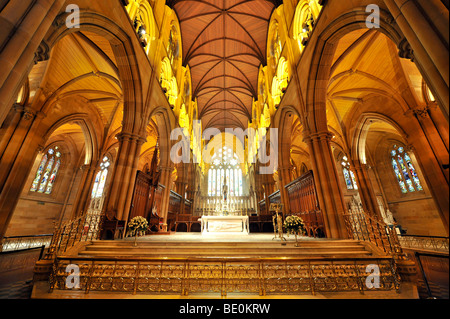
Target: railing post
x,y
359,279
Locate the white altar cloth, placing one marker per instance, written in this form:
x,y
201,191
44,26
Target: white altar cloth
x,y
228,224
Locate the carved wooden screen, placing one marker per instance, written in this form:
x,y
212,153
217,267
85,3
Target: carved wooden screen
x,y
174,203
140,203
303,202
262,207
302,194
275,198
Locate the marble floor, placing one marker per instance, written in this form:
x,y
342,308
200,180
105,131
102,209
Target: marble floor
x,y
221,237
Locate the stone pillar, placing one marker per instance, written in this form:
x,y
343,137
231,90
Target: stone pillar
x,y
329,193
83,198
166,176
122,185
365,188
16,162
424,45
28,25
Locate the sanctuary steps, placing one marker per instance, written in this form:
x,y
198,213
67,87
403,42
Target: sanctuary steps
x,y
177,249
219,267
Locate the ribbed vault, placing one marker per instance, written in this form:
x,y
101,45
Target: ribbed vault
x,y
224,43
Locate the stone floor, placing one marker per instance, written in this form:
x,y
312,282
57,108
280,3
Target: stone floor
x,y
220,237
16,284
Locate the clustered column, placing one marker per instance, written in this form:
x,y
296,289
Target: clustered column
x,y
16,57
327,183
121,190
368,197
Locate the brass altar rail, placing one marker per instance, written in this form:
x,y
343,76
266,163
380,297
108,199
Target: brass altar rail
x,y
84,228
280,276
362,226
433,243
15,243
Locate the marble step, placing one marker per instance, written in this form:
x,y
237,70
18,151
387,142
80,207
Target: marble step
x,y
275,243
121,249
195,249
181,254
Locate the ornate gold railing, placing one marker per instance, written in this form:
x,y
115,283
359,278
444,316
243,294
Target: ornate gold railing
x,y
15,243
361,226
84,228
433,243
276,276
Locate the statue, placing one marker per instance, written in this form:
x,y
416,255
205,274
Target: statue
x,y
225,189
277,220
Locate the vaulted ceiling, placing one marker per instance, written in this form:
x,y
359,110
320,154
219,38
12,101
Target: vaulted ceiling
x,y
224,43
366,63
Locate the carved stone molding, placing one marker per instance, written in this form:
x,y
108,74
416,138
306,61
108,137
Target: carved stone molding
x,y
419,112
42,53
28,114
405,50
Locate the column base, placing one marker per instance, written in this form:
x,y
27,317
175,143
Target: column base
x,y
42,270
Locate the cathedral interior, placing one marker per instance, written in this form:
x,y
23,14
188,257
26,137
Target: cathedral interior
x,y
215,122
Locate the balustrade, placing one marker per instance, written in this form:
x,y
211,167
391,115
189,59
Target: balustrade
x,y
219,275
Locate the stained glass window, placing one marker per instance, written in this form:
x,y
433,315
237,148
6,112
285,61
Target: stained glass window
x,y
349,176
35,184
47,172
352,175
405,171
53,177
100,178
348,181
225,167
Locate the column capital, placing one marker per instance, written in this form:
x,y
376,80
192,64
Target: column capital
x,y
87,167
28,113
317,136
131,137
166,168
357,165
40,148
42,53
405,50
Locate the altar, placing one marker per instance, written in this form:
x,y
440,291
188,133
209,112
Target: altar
x,y
225,224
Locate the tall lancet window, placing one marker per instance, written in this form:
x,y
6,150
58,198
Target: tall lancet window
x,y
225,167
349,176
100,178
47,172
405,171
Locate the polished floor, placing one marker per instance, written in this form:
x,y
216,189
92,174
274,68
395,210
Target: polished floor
x,y
220,237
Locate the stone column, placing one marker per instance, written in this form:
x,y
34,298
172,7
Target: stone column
x,y
166,176
124,177
368,198
28,25
16,162
329,193
83,198
424,45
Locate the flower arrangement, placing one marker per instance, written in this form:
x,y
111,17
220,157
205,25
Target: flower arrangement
x,y
137,225
294,225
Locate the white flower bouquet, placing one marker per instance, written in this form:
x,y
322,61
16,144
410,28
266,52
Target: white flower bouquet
x,y
137,226
294,225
